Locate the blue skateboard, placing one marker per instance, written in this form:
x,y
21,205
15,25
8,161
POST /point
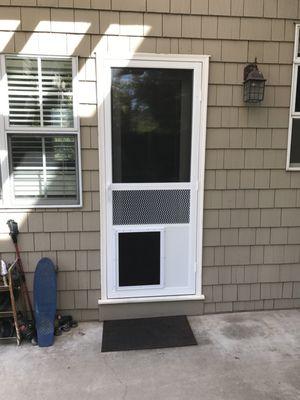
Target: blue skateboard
x,y
44,290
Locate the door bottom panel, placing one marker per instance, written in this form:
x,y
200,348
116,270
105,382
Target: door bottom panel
x,y
152,261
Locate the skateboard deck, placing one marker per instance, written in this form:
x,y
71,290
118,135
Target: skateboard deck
x,y
44,290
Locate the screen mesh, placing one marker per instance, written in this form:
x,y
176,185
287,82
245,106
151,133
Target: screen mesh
x,y
139,207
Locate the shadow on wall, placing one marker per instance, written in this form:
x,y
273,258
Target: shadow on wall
x,y
65,37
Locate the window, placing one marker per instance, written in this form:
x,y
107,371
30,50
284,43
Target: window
x,y
40,92
40,134
293,160
43,167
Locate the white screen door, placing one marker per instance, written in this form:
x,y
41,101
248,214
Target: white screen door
x,y
152,118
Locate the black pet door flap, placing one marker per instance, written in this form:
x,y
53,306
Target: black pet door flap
x,y
139,258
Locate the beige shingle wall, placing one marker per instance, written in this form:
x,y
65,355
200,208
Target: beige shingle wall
x,y
252,217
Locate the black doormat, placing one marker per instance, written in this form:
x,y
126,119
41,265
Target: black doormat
x,y
147,333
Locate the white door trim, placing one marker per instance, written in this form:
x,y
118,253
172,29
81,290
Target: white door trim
x,y
200,63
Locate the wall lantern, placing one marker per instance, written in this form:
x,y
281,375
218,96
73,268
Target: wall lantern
x,y
254,84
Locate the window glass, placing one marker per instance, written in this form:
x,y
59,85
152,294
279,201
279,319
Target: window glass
x,y
43,167
40,93
57,93
297,102
23,91
0,184
151,124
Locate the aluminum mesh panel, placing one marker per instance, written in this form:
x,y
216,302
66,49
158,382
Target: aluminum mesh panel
x,y
139,207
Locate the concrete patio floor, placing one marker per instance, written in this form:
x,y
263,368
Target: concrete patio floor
x,y
239,357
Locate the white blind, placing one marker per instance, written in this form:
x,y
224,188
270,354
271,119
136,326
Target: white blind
x,y
40,92
23,91
44,167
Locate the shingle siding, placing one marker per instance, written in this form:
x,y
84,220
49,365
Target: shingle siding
x,y
251,218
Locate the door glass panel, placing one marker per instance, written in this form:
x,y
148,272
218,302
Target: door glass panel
x,y
151,124
139,258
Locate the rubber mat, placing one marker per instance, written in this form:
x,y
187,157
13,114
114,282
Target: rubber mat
x,y
147,333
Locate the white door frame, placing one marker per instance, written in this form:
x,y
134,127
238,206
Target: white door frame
x,y
200,64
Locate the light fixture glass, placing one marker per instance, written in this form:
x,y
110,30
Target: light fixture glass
x,y
254,84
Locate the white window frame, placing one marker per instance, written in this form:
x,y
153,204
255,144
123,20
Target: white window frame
x,y
104,62
293,114
8,199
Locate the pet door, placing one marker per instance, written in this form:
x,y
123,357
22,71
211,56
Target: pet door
x,y
139,259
